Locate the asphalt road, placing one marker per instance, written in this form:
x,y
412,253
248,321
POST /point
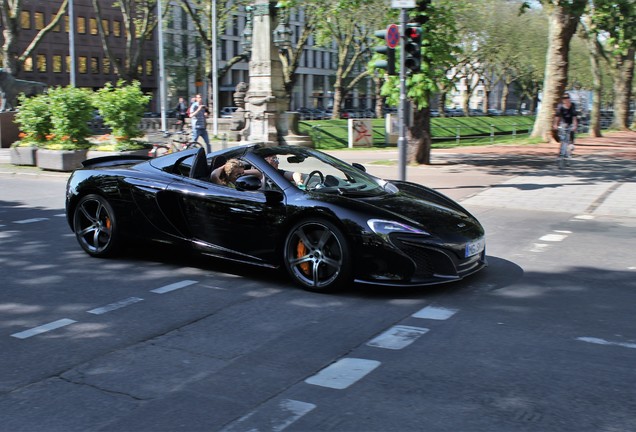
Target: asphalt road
x,y
160,340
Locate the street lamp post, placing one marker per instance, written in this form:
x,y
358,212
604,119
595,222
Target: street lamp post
x,y
71,42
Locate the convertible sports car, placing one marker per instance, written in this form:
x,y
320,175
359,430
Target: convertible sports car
x,y
325,221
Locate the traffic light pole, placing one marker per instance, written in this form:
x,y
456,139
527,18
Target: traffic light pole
x,y
402,142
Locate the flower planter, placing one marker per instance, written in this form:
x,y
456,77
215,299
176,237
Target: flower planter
x,y
60,160
23,155
97,153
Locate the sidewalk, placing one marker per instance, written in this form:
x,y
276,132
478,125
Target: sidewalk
x,y
601,179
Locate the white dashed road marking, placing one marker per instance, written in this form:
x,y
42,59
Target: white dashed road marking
x,y
43,328
604,342
435,313
27,221
397,337
343,373
553,237
271,418
174,286
113,306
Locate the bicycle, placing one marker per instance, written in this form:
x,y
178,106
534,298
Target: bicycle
x,y
181,142
565,152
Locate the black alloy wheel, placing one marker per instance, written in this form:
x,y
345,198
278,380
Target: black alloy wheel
x,y
317,255
95,226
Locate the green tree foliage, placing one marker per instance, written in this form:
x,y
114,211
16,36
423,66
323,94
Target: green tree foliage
x,y
34,119
71,110
122,107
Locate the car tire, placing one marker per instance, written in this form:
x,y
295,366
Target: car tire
x,y
96,227
316,255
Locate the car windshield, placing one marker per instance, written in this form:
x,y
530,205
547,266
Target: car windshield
x,y
318,172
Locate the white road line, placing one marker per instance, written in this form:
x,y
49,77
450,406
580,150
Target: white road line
x,y
397,337
60,215
113,306
539,247
26,221
604,342
271,418
174,286
43,328
343,373
553,237
435,313
584,217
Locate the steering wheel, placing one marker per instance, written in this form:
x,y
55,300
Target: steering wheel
x,y
312,174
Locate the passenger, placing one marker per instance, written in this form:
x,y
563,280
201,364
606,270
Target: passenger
x,y
227,174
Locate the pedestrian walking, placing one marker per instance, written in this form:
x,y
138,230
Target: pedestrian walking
x,y
198,113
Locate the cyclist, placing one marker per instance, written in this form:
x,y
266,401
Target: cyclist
x,y
567,116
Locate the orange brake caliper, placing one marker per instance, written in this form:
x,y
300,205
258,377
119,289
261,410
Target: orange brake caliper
x,y
301,251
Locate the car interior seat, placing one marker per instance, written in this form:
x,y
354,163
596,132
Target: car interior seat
x,y
215,168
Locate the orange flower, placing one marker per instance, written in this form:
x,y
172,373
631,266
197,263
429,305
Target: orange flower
x,y
22,135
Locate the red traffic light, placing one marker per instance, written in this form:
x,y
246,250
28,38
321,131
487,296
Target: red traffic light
x,y
413,33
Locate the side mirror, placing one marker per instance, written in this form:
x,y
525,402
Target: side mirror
x,y
359,166
248,183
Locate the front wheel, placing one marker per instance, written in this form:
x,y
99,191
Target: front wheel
x,y
316,255
96,227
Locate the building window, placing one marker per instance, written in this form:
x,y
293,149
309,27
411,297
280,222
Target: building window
x,y
67,25
82,64
94,65
28,64
117,28
184,20
106,66
81,25
140,70
41,63
25,20
57,63
92,26
39,20
184,43
106,26
149,66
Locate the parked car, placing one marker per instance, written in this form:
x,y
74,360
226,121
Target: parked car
x,y
494,112
337,226
226,112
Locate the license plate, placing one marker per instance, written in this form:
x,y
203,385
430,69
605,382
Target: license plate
x,y
475,247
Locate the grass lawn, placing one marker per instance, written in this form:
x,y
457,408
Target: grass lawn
x,y
333,134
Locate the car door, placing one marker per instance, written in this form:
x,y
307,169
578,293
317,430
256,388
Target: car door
x,y
240,225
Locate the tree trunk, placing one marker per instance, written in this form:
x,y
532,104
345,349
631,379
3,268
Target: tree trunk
x,y
505,91
623,89
379,99
597,90
562,25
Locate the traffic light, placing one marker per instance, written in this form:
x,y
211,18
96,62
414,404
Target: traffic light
x,y
413,48
389,63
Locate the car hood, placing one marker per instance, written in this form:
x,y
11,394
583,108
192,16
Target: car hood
x,y
419,207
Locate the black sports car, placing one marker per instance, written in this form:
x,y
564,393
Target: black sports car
x,y
326,221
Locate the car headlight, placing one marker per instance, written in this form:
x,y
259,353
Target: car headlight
x,y
385,227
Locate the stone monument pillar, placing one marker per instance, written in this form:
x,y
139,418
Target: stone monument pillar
x,y
265,101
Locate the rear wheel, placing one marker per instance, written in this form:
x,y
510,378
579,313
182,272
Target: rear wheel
x,y
96,227
317,255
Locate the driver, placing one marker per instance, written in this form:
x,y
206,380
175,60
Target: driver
x,y
295,177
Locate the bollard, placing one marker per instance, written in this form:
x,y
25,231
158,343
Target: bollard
x,y
457,135
224,141
492,134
